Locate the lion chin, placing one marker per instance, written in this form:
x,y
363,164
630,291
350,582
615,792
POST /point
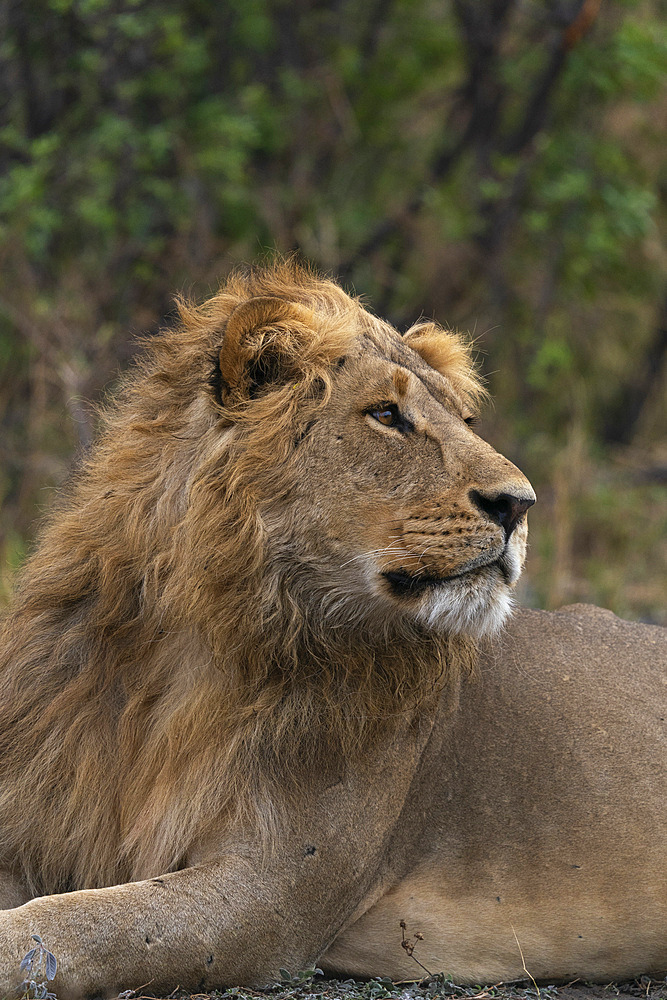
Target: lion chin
x,y
476,604
479,602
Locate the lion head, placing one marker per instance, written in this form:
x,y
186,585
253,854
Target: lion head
x,y
374,502
288,526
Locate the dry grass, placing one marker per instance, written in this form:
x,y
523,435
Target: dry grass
x,y
599,535
305,986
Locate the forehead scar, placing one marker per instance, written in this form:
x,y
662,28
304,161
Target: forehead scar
x,y
401,380
389,345
436,385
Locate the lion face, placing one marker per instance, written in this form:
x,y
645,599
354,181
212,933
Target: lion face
x,y
413,512
391,506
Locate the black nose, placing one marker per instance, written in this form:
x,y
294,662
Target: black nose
x,y
503,508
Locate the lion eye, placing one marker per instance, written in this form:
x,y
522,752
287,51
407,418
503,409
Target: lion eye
x,y
387,414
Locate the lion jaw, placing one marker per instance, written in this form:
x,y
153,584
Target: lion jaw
x,y
478,600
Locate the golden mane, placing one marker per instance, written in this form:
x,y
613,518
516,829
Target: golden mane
x,y
156,644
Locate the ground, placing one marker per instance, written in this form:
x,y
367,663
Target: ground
x,y
305,986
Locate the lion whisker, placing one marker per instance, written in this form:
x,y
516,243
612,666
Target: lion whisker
x,y
387,550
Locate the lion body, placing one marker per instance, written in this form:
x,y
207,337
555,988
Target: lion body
x,y
545,839
255,709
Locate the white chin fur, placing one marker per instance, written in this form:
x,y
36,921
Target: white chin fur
x,y
467,607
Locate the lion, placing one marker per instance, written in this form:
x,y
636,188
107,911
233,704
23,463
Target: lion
x,y
265,702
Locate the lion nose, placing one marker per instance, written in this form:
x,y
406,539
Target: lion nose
x,y
503,509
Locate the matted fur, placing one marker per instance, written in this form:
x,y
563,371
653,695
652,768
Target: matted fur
x,y
155,648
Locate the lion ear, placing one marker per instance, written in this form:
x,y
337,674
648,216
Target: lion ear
x,y
450,354
262,346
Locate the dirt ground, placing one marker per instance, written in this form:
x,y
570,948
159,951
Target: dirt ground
x,y
649,988
307,987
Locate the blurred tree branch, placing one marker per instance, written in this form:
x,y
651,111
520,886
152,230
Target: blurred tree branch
x,y
479,109
623,415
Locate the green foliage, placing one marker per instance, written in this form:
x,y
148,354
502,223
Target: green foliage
x,y
40,966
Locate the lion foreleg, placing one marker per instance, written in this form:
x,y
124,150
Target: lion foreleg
x,y
213,925
240,912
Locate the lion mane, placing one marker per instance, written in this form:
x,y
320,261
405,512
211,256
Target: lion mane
x,y
153,686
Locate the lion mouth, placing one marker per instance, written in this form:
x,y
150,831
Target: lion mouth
x,y
405,584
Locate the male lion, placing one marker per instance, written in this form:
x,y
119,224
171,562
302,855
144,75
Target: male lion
x,y
256,705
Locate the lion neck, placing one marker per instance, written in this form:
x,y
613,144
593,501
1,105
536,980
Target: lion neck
x,y
279,706
216,695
